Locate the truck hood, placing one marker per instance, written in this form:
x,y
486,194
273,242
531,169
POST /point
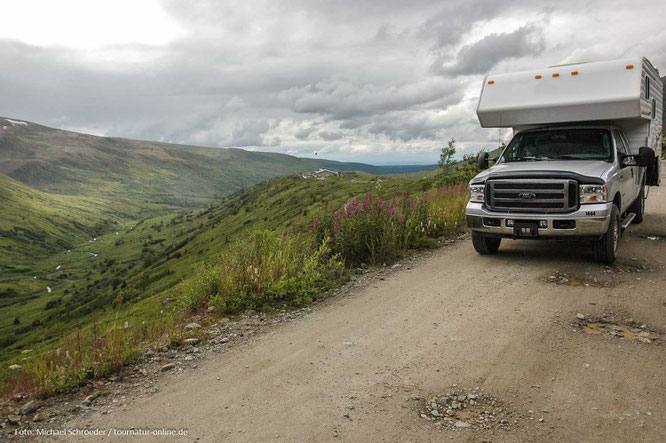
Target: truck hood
x,y
593,170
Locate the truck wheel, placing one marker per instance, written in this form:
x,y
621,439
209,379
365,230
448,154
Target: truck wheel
x,y
638,207
605,249
485,245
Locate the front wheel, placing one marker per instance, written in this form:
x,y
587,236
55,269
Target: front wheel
x,y
485,245
605,249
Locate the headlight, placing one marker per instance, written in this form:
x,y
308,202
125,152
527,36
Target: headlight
x,y
477,192
592,193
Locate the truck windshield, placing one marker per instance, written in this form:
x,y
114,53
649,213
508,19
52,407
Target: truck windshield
x,y
560,144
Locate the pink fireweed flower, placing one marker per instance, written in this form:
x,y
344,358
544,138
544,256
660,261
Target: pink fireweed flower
x,y
402,218
374,213
315,224
370,196
393,201
380,202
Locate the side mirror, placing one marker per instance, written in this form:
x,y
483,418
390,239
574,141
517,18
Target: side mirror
x,y
483,160
646,157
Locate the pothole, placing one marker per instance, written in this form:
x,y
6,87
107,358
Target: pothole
x,y
466,409
561,278
628,330
635,265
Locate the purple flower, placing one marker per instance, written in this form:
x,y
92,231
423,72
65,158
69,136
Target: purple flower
x,y
380,202
402,218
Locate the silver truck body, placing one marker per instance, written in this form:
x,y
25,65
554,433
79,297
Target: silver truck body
x,y
547,197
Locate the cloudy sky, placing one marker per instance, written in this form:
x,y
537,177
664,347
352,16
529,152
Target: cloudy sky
x,y
382,81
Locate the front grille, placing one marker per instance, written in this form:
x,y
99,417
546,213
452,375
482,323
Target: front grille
x,y
532,195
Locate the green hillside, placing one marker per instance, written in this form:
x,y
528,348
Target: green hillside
x,y
137,267
65,162
35,224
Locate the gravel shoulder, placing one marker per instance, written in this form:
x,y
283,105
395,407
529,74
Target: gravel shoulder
x,y
359,367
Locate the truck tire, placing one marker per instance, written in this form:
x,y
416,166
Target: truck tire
x,y
485,245
605,249
638,207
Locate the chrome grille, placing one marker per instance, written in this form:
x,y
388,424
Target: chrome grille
x,y
532,195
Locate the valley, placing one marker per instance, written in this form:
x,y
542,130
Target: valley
x,y
74,262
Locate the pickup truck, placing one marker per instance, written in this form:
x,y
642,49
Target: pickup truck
x,y
580,159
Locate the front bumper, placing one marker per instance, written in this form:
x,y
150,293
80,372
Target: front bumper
x,y
591,220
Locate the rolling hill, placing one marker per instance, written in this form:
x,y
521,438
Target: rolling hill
x,y
70,163
139,264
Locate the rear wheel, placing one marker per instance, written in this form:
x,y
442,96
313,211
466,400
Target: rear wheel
x,y
485,245
638,207
605,249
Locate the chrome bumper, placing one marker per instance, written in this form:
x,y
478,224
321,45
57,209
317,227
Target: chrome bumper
x,y
591,220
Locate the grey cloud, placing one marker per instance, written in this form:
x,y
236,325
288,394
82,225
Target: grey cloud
x,y
330,136
305,133
481,56
249,133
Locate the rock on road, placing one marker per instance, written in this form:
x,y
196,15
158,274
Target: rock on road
x,y
348,370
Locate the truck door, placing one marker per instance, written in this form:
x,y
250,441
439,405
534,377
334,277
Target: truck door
x,y
627,174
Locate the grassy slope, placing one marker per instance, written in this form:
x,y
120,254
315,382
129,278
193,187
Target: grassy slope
x,y
139,267
65,162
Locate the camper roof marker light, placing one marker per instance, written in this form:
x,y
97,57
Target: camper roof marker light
x,y
630,66
574,72
490,82
555,74
538,76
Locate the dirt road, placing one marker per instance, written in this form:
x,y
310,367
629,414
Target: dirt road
x,y
506,324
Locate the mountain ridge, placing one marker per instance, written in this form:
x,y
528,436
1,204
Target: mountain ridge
x,y
71,163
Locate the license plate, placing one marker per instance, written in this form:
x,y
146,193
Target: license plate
x,y
526,229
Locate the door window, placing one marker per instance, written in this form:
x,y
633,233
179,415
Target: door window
x,y
621,148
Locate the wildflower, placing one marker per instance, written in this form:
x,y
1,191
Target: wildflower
x,y
402,218
315,223
380,202
126,324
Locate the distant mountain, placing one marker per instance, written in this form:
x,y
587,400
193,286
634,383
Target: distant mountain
x,y
66,162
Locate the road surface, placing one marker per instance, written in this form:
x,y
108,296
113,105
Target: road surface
x,y
501,323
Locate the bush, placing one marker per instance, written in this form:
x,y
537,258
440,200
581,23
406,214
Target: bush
x,y
374,230
378,230
262,271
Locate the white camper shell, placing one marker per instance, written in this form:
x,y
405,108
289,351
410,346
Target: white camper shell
x,y
582,154
627,93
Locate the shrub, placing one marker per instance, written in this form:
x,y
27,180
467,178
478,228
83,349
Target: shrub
x,y
375,229
379,230
262,271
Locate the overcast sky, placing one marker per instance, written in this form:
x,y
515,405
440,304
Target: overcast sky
x,y
382,81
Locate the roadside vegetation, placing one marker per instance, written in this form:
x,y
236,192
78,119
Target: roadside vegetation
x,y
281,244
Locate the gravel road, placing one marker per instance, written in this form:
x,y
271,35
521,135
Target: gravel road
x,y
360,368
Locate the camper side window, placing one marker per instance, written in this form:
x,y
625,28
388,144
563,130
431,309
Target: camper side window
x,y
647,87
619,143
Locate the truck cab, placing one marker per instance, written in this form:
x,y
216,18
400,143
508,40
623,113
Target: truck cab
x,y
570,170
